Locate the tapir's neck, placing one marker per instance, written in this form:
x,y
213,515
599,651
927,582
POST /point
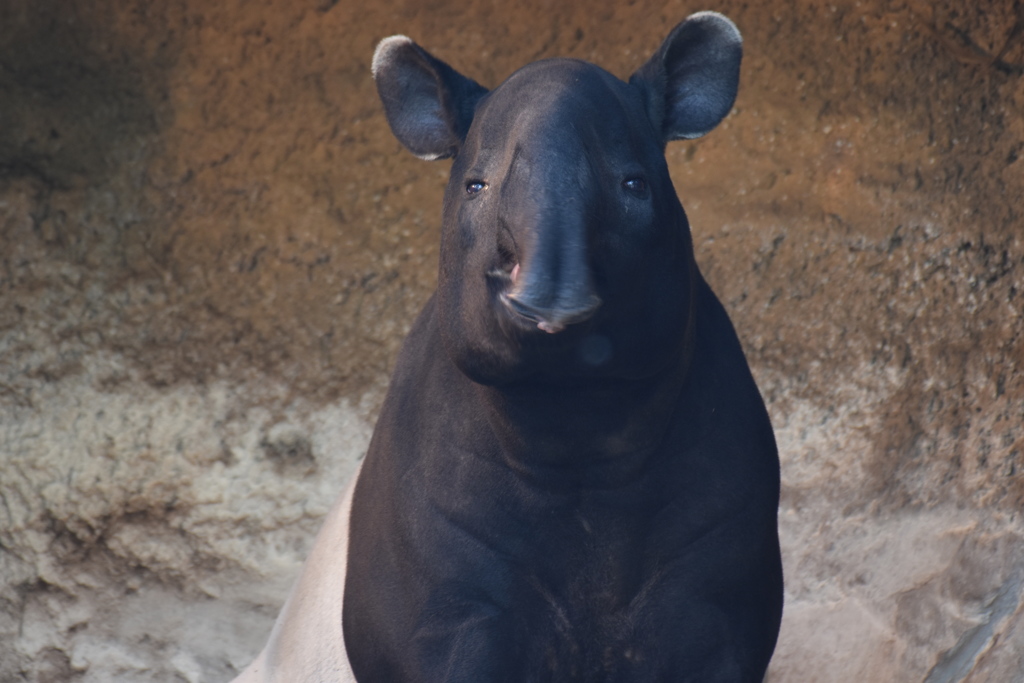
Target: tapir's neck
x,y
602,436
598,433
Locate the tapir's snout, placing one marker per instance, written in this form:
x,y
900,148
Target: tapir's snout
x,y
553,319
552,286
547,206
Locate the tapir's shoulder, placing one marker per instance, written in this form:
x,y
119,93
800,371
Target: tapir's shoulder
x,y
721,413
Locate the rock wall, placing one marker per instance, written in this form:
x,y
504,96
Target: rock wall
x,y
211,247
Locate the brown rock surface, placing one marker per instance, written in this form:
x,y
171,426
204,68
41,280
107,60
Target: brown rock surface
x,y
211,247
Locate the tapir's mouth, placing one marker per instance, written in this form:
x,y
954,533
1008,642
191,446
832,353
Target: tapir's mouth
x,y
548,320
506,275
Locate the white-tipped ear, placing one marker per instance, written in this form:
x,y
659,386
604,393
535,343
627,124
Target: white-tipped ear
x,y
385,52
429,105
691,81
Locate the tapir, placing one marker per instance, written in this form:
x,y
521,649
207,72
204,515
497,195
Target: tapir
x,y
573,476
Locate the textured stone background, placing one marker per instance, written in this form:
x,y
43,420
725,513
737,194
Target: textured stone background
x,y
211,247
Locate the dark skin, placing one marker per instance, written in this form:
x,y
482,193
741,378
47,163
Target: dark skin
x,y
573,477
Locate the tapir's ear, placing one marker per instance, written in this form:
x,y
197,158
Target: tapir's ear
x,y
428,104
691,81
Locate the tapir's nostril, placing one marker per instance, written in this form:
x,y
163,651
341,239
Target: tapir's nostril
x,y
553,319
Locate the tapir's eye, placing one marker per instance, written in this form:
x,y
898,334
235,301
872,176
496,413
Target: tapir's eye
x,y
475,187
635,186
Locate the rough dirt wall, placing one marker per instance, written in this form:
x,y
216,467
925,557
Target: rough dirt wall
x,y
211,246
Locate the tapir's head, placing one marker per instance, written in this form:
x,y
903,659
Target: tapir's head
x,y
565,252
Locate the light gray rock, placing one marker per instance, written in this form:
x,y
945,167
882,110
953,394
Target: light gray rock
x,y
147,534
